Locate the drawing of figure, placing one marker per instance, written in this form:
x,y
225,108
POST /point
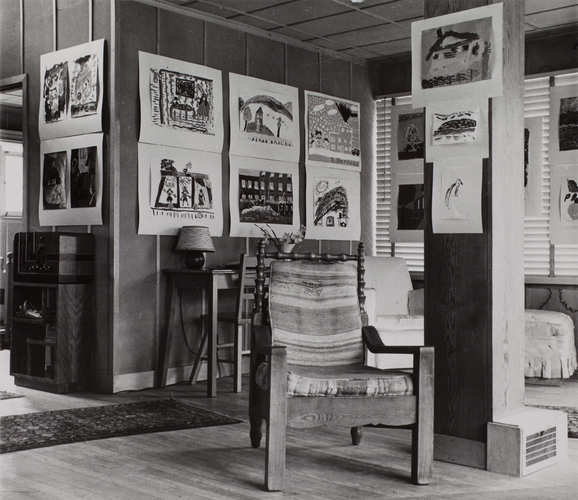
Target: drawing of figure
x,y
84,88
83,177
53,180
55,92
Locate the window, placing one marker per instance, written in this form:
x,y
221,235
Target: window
x,y
11,179
536,229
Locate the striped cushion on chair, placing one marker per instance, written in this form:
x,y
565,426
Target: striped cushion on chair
x,y
314,311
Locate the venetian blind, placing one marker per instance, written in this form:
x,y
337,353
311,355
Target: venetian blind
x,y
536,229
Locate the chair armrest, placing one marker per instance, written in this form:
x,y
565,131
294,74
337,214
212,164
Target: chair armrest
x,y
375,345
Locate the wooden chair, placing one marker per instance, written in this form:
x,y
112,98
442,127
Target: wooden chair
x,y
241,321
307,361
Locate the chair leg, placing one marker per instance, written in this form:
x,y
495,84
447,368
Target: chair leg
x,y
277,420
356,435
423,431
238,364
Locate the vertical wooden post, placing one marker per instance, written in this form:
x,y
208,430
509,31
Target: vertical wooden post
x,y
474,283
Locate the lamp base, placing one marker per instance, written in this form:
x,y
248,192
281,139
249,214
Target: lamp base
x,y
194,260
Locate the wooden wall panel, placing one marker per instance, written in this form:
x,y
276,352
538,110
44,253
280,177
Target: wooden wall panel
x,y
72,23
10,49
135,343
38,16
265,59
335,77
180,37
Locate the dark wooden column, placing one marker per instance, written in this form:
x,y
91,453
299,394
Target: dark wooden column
x,y
474,283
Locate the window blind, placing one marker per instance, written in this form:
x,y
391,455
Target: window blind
x,y
536,229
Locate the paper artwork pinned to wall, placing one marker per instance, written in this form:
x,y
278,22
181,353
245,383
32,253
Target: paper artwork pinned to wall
x,y
457,128
332,132
181,103
457,196
71,91
408,145
408,201
457,55
71,181
178,187
564,204
532,165
333,204
263,192
564,124
264,119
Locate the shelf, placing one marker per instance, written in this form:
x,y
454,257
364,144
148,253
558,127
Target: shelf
x,y
31,321
35,285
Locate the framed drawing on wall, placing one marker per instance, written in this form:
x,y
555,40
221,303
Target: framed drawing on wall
x,y
408,136
564,124
264,118
178,187
407,221
332,132
71,91
564,204
457,55
181,103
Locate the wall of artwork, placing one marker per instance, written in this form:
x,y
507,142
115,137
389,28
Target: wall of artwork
x,y
141,289
45,30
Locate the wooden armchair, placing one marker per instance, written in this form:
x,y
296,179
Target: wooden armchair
x,y
307,370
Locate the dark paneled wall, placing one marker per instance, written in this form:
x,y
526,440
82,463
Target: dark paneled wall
x,y
46,29
141,292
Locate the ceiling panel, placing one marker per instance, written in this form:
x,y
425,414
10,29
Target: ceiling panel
x,y
293,33
211,9
337,24
254,21
403,9
552,18
381,33
300,11
393,47
244,5
533,6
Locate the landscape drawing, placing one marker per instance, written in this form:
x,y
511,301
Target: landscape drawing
x,y
55,92
265,197
332,131
410,207
568,124
456,54
181,190
84,91
410,136
330,203
265,119
569,200
54,180
83,165
459,127
182,101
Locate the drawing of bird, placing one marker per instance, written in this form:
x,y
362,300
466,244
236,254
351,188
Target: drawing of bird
x,y
453,190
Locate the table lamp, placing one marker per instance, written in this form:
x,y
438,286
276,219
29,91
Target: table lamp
x,y
194,241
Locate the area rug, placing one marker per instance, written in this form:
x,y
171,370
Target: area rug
x,y
9,395
572,417
49,428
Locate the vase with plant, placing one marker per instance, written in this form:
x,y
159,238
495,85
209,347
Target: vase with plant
x,y
285,243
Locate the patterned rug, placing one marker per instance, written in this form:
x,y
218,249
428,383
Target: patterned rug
x,y
49,428
9,395
572,417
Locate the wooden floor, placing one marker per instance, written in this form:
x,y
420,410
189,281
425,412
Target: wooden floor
x,y
218,462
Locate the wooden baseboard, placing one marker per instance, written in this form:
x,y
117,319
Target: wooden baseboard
x,y
460,451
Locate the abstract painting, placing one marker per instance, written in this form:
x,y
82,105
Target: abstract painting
x,y
409,134
564,204
532,166
71,91
181,103
178,187
264,118
408,205
333,204
85,86
263,192
71,174
457,128
563,147
332,131
568,124
457,54
457,196
54,180
83,177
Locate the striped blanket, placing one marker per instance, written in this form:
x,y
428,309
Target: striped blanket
x,y
314,311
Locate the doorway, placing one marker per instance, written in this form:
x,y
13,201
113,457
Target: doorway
x,y
12,183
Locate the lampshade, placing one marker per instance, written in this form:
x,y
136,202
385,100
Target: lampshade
x,y
195,238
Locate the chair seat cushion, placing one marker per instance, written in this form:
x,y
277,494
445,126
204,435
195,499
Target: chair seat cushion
x,y
349,380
